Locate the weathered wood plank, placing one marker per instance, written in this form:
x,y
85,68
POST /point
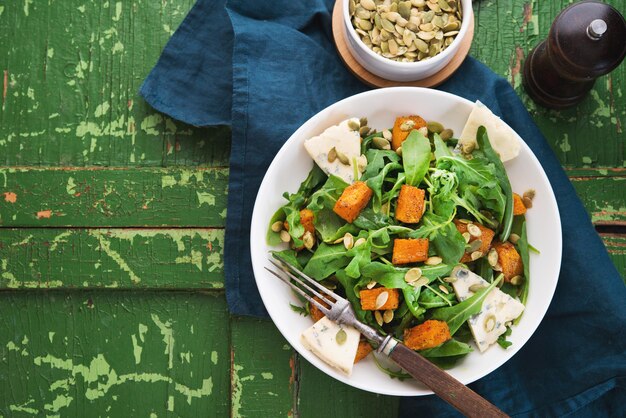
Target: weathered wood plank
x,y
604,198
112,258
588,135
616,245
69,91
106,197
111,353
320,395
262,370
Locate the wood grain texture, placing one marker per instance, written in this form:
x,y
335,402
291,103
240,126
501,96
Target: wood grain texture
x,y
262,370
107,197
51,258
111,353
616,245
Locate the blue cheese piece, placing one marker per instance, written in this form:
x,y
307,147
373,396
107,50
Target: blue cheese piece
x,y
498,309
322,340
501,137
344,140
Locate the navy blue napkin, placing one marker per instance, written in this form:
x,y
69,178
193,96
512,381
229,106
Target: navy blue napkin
x,y
264,68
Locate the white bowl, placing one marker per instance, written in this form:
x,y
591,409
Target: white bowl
x,y
403,71
292,164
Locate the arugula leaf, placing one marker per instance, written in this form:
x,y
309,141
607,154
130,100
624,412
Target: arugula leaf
x,y
368,219
327,195
302,310
502,341
441,149
429,299
376,160
376,184
326,260
523,248
444,236
328,225
503,180
415,157
456,315
273,238
348,284
361,256
287,256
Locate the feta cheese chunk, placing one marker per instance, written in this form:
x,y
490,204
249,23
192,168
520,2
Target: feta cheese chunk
x,y
498,309
345,141
321,339
501,137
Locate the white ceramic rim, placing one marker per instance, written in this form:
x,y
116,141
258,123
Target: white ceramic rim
x,y
446,55
259,227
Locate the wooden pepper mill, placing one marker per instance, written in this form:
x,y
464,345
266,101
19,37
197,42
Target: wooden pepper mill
x,y
586,40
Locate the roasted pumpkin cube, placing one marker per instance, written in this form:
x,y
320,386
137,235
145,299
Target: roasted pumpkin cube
x,y
486,236
410,206
407,251
509,259
316,313
429,334
398,135
370,298
519,208
352,201
362,350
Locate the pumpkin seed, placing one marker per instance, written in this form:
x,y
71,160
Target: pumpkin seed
x,y
475,245
391,16
407,125
433,261
284,236
402,22
466,236
476,255
384,46
387,134
490,323
426,36
343,158
423,130
451,33
377,21
435,127
352,7
388,316
364,130
492,257
353,125
426,27
451,26
413,274
381,143
378,317
443,5
418,3
497,267
421,45
361,162
359,241
476,287
399,151
368,4
348,241
474,230
422,281
439,36
437,22
393,47
444,289
528,202
308,239
364,24
381,299
341,337
371,284
277,226
514,238
446,134
404,9
530,193
361,13
387,25
517,280
449,279
332,155
433,7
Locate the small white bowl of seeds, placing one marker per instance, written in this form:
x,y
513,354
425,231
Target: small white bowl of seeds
x,y
405,40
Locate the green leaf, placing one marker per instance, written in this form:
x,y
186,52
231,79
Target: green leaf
x,y
376,160
287,256
441,149
449,348
376,184
348,285
503,180
326,260
415,157
502,341
327,195
302,310
456,315
523,248
273,238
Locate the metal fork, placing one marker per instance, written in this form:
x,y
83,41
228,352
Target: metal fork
x,y
441,383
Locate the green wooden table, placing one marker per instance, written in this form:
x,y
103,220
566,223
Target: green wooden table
x,y
112,221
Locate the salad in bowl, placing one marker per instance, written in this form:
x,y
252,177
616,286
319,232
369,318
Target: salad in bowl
x,y
386,214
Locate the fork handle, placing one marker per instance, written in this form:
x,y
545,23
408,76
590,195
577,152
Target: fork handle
x,y
468,402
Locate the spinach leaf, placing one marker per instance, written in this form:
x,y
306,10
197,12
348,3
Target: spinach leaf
x,y
395,190
503,180
376,160
415,157
411,296
368,219
361,256
328,224
327,195
449,348
446,239
287,256
456,315
273,238
429,299
326,260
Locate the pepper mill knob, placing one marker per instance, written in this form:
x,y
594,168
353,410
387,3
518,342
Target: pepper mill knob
x,y
586,40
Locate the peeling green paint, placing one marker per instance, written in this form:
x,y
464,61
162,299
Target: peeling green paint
x,y
205,197
137,349
51,336
564,144
267,375
214,357
168,338
115,256
237,389
102,109
24,408
61,401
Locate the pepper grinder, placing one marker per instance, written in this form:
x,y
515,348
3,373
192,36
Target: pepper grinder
x,y
586,40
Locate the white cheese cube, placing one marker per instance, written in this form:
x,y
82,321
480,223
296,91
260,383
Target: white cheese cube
x,y
501,137
498,309
321,339
344,140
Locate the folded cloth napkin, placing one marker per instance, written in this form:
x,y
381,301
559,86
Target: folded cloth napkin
x,y
264,68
